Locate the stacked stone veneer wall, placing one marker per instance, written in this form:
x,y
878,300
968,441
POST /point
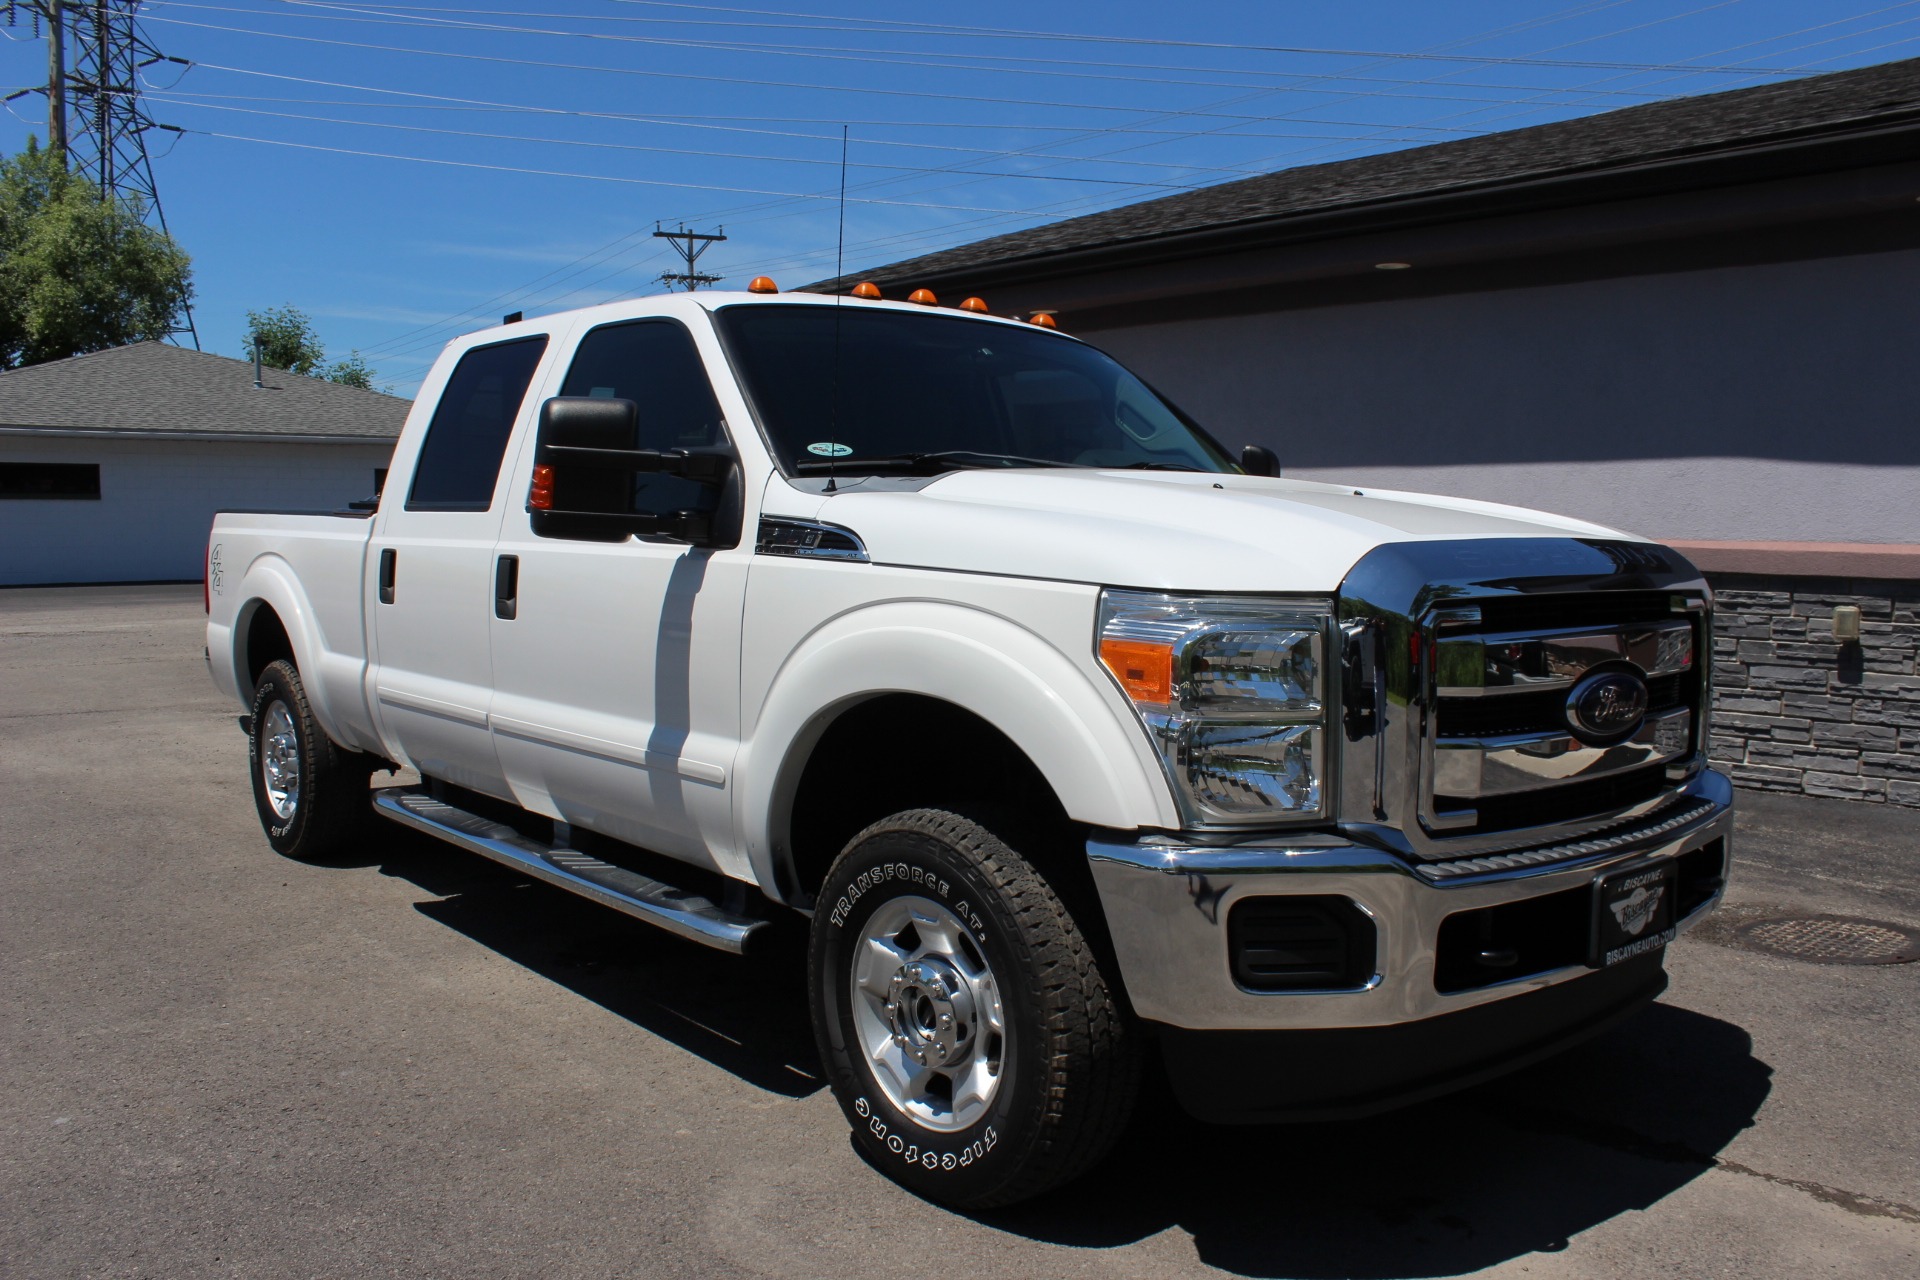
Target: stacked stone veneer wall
x,y
1796,711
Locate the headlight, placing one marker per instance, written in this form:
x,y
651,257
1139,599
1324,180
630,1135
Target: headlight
x,y
1232,691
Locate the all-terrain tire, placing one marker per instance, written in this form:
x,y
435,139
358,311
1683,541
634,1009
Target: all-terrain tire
x,y
310,793
1068,1056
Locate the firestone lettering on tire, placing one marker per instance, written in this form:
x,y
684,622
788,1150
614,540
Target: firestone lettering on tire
x,y
912,1153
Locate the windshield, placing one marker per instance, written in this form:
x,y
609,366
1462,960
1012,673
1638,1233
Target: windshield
x,y
932,392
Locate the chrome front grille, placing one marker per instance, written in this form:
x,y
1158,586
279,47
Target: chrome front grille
x,y
1502,694
1507,708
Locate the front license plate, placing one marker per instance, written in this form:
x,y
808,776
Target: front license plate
x,y
1633,913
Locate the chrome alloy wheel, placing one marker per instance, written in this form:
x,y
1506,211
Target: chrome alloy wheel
x,y
280,760
927,1014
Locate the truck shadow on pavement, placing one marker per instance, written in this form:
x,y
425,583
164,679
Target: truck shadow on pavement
x,y
748,1017
1517,1166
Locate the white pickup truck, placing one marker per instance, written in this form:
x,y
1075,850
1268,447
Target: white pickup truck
x,y
1078,742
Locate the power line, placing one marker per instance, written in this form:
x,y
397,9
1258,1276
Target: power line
x,y
1030,67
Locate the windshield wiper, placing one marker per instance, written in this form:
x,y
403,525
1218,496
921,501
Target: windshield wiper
x,y
1157,466
942,460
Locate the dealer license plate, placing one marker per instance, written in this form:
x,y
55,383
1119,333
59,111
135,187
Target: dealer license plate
x,y
1633,913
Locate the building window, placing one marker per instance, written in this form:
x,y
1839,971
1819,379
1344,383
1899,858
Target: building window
x,y
72,480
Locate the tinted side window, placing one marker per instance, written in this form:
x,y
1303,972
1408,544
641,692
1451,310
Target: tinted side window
x,y
654,364
460,459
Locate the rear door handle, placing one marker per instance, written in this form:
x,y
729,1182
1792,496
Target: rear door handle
x,y
506,587
389,562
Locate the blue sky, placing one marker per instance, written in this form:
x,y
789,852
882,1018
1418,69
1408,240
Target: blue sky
x,y
404,173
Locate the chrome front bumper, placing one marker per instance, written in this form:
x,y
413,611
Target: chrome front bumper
x,y
1167,905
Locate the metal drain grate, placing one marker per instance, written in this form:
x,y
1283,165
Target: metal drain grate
x,y
1831,939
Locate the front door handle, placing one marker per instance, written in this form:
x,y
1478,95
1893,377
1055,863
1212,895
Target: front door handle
x,y
389,562
506,587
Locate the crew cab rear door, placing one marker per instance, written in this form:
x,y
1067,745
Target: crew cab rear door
x,y
616,663
430,566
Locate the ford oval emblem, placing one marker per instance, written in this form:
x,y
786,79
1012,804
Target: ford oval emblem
x,y
1607,706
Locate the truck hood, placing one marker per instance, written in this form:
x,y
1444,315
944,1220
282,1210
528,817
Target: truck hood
x,y
1170,530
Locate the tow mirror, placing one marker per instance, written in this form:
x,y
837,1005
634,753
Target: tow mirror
x,y
1258,460
584,461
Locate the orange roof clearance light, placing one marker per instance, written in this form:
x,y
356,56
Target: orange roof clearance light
x,y
1144,669
1044,319
540,493
924,297
974,304
762,284
867,289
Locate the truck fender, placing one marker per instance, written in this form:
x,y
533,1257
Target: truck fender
x,y
332,679
1076,733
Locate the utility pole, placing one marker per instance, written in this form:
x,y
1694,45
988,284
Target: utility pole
x,y
690,245
95,54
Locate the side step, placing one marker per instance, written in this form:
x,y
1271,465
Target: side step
x,y
675,910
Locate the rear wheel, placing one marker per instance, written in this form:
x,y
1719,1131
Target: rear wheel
x,y
311,795
967,1028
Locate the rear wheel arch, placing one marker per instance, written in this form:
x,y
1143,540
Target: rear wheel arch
x,y
262,639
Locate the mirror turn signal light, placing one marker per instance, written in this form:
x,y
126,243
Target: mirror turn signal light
x,y
1144,669
974,304
540,493
924,297
867,289
762,284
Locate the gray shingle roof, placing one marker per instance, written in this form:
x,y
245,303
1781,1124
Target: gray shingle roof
x,y
157,387
1712,124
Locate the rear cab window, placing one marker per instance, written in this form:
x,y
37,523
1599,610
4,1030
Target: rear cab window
x,y
459,461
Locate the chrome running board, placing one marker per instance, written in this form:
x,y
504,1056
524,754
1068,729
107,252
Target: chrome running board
x,y
687,914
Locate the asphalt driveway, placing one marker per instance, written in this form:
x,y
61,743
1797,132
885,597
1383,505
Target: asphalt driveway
x,y
214,1061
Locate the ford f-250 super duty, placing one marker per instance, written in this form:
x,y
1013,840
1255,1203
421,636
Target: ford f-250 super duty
x,y
1074,739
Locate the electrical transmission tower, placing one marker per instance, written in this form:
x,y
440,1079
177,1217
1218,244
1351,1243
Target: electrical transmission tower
x,y
689,245
95,119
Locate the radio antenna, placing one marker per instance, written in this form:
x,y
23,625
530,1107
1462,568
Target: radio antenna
x,y
839,292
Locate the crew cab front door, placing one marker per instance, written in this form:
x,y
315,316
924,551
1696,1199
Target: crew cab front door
x,y
616,664
430,572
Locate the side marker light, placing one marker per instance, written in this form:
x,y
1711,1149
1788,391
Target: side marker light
x,y
867,289
924,297
974,304
540,493
1144,669
762,284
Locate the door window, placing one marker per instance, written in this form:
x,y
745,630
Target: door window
x,y
460,459
655,364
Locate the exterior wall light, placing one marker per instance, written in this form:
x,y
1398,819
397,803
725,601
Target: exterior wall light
x,y
1846,624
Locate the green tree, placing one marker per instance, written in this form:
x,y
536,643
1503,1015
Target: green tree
x,y
79,273
354,371
287,340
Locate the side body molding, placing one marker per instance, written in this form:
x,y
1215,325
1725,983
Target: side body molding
x,y
1077,732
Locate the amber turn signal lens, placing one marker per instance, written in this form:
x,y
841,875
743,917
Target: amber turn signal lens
x,y
923,296
1044,320
867,289
762,284
974,304
540,493
1144,670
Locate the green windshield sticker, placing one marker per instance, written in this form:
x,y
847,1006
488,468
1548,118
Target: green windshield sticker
x,y
828,449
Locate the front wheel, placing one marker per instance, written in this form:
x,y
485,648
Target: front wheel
x,y
967,1028
311,795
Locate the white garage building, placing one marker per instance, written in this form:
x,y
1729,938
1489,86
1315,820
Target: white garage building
x,y
112,464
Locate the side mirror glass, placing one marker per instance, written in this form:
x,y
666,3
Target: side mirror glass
x,y
584,463
1258,460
